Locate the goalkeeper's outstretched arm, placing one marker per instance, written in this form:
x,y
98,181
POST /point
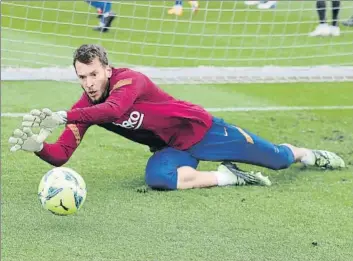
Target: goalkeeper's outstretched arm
x,y
60,152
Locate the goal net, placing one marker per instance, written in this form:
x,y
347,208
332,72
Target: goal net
x,y
226,41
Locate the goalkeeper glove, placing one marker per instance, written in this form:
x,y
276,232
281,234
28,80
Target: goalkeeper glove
x,y
25,140
46,120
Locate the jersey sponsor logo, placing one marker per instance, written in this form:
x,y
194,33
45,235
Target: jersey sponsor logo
x,y
134,121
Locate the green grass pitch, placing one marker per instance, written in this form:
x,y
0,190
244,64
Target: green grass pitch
x,y
305,215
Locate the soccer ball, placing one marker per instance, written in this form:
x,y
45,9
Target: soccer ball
x,y
62,191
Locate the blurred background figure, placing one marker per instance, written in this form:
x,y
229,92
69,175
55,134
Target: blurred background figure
x,y
105,15
177,9
349,22
324,29
262,4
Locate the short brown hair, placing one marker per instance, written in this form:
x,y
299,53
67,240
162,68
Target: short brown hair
x,y
86,53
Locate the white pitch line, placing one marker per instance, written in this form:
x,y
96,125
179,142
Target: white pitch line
x,y
242,109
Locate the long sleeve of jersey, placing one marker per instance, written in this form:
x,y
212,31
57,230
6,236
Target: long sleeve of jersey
x,y
60,152
126,88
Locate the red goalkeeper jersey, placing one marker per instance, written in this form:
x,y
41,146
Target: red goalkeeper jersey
x,y
137,109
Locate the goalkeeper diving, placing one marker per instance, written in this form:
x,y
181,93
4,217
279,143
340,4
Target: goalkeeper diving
x,y
179,134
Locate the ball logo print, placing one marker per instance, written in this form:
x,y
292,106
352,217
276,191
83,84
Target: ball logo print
x,y
134,121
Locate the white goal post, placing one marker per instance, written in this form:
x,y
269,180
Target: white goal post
x,y
225,41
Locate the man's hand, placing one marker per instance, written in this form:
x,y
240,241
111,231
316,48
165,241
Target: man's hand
x,y
46,120
26,140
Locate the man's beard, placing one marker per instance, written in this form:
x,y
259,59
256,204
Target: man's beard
x,y
103,97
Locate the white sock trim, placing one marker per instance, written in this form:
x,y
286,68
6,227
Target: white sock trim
x,y
309,158
224,179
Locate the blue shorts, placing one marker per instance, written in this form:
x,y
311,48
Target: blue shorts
x,y
229,142
222,142
161,169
